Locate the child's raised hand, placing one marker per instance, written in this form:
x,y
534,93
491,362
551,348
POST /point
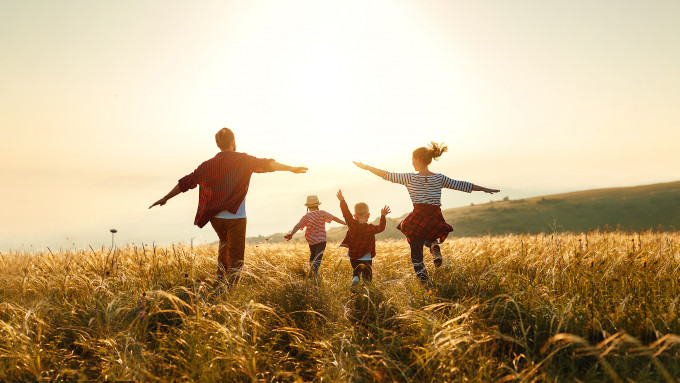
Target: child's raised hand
x,y
339,195
386,210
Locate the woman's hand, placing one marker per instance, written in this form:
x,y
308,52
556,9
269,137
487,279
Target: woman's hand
x,y
490,191
360,165
376,171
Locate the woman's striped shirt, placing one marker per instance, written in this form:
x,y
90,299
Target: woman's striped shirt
x,y
427,189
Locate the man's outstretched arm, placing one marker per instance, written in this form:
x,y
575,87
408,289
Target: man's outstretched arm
x,y
165,199
281,167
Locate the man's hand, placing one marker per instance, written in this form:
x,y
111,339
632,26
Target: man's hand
x,y
299,170
339,195
277,167
160,202
167,197
385,211
288,237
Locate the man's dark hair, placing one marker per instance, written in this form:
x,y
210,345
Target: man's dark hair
x,y
224,138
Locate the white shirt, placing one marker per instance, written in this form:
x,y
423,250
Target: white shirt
x,y
240,213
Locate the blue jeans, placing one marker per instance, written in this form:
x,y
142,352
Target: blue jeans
x,y
315,256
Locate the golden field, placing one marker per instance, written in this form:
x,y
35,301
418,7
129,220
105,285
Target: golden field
x,y
547,307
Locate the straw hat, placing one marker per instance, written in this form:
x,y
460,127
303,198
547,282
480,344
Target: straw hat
x,y
312,200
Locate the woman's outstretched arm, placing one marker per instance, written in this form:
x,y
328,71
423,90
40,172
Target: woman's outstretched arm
x,y
378,172
485,190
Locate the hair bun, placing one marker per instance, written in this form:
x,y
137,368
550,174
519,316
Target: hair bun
x,y
436,150
432,151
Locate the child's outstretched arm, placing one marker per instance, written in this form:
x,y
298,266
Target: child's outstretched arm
x,y
485,190
338,220
290,235
378,172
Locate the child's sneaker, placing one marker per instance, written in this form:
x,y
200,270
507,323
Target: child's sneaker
x,y
354,287
436,254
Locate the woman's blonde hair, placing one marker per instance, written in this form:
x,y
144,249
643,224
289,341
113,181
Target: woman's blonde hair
x,y
432,152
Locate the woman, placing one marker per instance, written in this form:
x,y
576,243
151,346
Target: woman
x,y
425,226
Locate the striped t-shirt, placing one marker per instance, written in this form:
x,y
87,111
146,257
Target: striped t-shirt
x,y
315,221
427,189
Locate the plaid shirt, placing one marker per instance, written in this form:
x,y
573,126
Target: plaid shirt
x,y
360,238
223,182
425,221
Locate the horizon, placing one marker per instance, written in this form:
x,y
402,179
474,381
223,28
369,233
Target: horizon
x,y
107,240
106,105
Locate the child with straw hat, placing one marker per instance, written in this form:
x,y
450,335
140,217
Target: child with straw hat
x,y
315,221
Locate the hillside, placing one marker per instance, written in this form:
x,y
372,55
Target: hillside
x,y
654,206
631,208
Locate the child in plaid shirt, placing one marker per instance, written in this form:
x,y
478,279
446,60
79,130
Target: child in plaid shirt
x,y
360,238
315,220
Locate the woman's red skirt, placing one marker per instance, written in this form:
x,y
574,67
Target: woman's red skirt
x,y
425,221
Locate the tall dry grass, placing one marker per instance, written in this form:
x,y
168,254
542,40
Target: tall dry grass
x,y
562,307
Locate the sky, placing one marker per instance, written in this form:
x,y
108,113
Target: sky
x,y
105,105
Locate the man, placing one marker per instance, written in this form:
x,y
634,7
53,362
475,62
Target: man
x,y
223,184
